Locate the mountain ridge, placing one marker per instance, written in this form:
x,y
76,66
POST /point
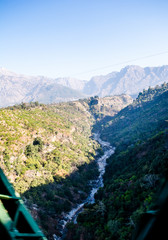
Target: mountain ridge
x,y
17,88
130,80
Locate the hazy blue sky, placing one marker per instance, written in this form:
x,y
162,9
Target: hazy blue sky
x,y
82,38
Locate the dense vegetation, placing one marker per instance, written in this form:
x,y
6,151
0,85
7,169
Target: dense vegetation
x,y
137,122
134,172
47,152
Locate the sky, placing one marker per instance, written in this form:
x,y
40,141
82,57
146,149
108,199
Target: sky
x,y
82,38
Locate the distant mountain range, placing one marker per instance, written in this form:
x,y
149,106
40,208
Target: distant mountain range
x,y
16,88
130,80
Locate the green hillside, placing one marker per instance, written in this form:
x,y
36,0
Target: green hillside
x,y
42,145
33,136
134,173
137,122
48,153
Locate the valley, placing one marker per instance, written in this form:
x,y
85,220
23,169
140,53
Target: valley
x,y
83,120
48,152
134,173
50,155
94,184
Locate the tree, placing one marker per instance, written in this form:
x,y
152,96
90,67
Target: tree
x,y
39,143
30,150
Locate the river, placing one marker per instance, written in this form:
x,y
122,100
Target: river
x,y
96,184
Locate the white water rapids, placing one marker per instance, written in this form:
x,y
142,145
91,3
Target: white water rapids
x,y
72,215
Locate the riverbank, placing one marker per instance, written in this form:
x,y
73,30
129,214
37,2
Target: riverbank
x,y
95,185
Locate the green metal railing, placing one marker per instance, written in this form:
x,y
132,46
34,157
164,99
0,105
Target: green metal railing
x,y
15,220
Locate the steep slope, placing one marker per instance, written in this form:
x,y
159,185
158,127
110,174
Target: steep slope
x,y
145,117
130,80
57,126
15,88
134,173
104,108
48,153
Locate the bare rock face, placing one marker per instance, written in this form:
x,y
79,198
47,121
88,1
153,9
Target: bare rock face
x,y
111,105
108,106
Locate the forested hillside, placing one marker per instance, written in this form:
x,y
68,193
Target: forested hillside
x,y
48,153
42,145
134,173
137,122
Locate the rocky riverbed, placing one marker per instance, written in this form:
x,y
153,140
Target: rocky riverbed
x,y
96,184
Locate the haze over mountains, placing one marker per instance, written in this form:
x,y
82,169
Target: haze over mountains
x,y
130,80
17,88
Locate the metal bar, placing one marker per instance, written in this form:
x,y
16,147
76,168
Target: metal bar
x,y
7,197
27,235
13,220
5,219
